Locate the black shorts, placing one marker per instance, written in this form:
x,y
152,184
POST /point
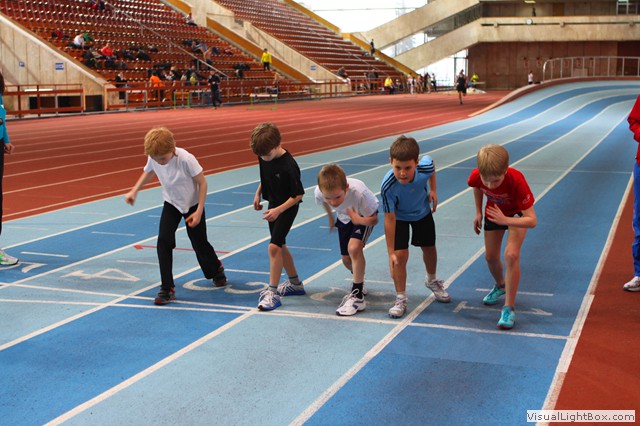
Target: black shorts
x,y
280,227
489,225
346,231
423,233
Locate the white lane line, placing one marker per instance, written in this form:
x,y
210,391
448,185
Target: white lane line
x,y
147,372
137,262
35,253
578,325
310,248
113,233
526,293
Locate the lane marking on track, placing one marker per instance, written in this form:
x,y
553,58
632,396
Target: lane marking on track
x,y
34,253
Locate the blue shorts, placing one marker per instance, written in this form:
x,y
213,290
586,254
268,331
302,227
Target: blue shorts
x,y
423,233
346,231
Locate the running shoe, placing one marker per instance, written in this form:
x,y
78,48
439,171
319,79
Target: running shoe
x,y
286,288
6,260
219,279
351,305
268,301
398,310
507,318
165,297
436,286
494,295
633,285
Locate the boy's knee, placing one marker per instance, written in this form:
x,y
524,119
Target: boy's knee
x,y
491,259
274,250
355,249
402,256
511,256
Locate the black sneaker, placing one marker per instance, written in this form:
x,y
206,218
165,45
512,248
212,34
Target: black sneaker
x,y
220,279
165,297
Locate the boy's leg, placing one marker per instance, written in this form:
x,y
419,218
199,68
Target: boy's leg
x,y
205,253
492,245
275,264
399,274
356,259
169,220
515,238
424,236
287,262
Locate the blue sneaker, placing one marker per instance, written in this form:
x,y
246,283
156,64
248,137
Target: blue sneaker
x,y
507,318
286,288
268,301
494,295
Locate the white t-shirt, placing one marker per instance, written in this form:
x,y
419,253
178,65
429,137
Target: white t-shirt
x,y
358,196
176,177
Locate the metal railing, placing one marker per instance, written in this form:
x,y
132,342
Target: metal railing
x,y
591,67
40,99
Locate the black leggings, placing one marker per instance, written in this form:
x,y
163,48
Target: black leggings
x,y
206,255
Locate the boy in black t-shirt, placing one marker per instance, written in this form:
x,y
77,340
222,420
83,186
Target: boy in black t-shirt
x,y
281,186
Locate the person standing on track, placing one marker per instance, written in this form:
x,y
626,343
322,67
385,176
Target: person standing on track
x,y
281,185
409,200
509,207
5,259
634,126
184,189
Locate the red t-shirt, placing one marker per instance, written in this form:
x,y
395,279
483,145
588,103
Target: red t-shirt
x,y
512,196
634,125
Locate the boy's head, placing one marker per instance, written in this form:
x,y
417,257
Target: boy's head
x,y
403,155
264,139
493,162
332,182
160,145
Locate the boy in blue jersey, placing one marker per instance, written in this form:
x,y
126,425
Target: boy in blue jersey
x,y
408,197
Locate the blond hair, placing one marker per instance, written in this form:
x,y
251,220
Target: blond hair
x,y
264,138
332,177
404,149
159,141
493,160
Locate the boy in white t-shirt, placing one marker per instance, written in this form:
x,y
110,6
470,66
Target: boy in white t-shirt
x,y
357,213
184,189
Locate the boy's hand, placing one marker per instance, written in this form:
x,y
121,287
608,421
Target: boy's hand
x,y
332,224
256,204
193,219
130,197
433,198
494,214
271,214
353,215
477,223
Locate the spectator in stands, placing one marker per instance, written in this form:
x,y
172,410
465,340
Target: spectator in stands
x,y
121,83
461,85
266,60
142,55
474,79
277,78
434,82
189,20
372,75
78,42
372,48
214,86
530,77
5,259
389,86
107,52
198,47
207,55
58,34
88,40
342,73
427,82
156,85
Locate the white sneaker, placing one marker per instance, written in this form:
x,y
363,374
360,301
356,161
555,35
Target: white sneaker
x,y
398,310
6,260
351,305
438,291
633,285
268,301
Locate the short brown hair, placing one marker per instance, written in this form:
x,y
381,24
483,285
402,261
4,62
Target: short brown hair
x,y
404,149
264,138
493,160
159,141
332,177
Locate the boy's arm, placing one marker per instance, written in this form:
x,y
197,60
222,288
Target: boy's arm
x,y
144,178
194,218
433,197
390,238
356,219
256,199
272,214
634,120
477,220
527,220
327,208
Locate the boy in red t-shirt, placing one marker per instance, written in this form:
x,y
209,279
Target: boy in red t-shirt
x,y
509,207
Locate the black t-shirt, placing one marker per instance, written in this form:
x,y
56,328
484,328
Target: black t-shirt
x,y
214,82
280,179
